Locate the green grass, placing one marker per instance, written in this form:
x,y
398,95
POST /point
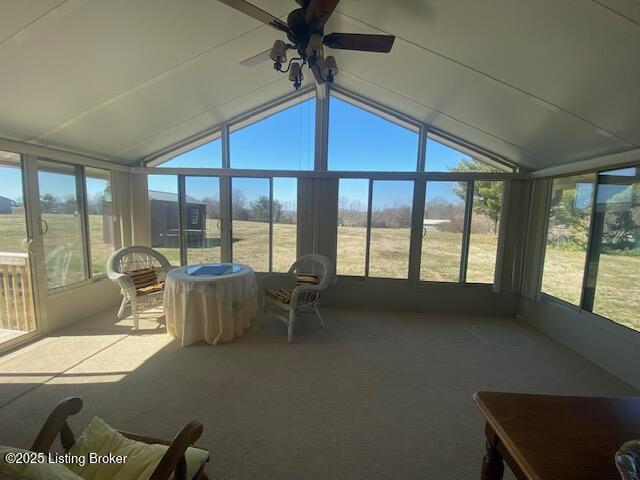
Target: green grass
x,y
616,297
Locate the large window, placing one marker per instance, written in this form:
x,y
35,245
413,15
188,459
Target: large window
x,y
360,140
208,155
606,239
388,205
484,230
567,237
285,219
375,227
613,282
353,204
442,231
201,219
283,139
100,215
62,226
391,206
250,206
164,215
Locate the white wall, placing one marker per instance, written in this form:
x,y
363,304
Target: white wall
x,y
611,346
79,303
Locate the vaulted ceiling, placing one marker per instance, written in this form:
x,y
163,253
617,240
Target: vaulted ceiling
x,y
541,82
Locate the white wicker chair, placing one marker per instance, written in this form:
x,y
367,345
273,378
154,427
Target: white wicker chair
x,y
129,259
303,296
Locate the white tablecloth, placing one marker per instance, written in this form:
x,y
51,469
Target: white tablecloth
x,y
210,308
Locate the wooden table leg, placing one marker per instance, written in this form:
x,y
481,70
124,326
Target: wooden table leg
x,y
492,464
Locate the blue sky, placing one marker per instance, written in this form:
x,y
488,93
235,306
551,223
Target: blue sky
x,y
358,141
10,182
59,185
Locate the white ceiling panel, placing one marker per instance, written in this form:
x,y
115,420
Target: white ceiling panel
x,y
19,14
168,100
541,82
441,121
475,99
203,122
571,53
85,53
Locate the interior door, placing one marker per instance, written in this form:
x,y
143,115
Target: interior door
x,y
17,308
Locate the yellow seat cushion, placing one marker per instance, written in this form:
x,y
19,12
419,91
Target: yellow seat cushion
x,y
32,471
309,278
155,287
145,280
283,295
141,458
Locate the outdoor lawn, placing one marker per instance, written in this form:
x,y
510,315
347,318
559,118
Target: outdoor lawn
x,y
618,283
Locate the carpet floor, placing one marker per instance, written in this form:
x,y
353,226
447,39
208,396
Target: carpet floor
x,y
377,395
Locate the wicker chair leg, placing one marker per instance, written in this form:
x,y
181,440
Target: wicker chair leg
x,y
292,318
135,313
315,307
123,305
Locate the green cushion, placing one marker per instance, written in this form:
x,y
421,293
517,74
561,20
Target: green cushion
x,y
32,471
141,458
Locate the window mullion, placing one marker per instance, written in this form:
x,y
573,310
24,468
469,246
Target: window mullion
x,y
322,130
83,212
415,248
182,244
466,231
592,258
422,148
368,241
226,221
226,155
270,224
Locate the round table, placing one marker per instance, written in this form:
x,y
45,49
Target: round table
x,y
210,308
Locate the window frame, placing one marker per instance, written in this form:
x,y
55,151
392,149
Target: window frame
x,y
383,113
116,240
185,146
226,220
81,191
418,176
583,306
415,244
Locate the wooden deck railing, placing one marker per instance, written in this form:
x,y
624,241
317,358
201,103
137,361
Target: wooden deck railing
x,y
16,299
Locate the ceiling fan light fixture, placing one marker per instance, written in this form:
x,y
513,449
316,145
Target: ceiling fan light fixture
x,y
295,75
279,52
314,48
304,29
329,68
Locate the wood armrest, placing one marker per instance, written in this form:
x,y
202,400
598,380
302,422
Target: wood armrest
x,y
143,438
57,423
174,460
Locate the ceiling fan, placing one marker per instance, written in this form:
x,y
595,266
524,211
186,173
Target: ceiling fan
x,y
305,31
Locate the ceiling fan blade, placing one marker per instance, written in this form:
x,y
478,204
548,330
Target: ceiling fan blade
x,y
257,13
360,41
318,12
256,59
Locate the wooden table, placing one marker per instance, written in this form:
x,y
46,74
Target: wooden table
x,y
555,437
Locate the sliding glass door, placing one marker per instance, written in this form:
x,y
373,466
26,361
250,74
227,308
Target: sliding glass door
x,y
62,228
17,312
